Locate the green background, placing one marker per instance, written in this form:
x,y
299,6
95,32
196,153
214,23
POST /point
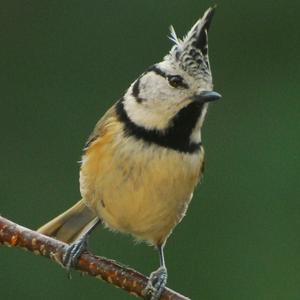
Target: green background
x,y
63,64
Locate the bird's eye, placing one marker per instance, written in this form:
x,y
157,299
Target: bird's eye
x,y
176,81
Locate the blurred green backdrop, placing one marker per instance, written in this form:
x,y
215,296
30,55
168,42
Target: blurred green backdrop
x,y
63,63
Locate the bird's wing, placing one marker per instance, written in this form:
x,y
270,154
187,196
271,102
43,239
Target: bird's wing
x,y
98,153
102,127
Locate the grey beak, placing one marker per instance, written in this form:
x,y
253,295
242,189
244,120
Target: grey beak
x,y
207,96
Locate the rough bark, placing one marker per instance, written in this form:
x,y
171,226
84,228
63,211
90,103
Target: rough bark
x,y
14,235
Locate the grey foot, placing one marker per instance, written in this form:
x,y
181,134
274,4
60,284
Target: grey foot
x,y
73,253
156,284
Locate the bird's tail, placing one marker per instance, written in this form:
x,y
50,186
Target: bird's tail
x,y
71,224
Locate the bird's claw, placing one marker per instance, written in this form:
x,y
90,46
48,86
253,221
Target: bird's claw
x,y
72,254
156,284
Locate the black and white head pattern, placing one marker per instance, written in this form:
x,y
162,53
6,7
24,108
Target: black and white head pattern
x,y
191,52
159,107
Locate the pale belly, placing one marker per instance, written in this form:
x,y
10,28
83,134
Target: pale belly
x,y
144,192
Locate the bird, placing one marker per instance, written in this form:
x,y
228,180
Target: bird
x,y
145,156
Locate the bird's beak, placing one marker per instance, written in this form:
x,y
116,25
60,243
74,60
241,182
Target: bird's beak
x,y
206,96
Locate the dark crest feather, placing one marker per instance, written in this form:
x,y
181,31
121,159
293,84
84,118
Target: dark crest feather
x,y
201,41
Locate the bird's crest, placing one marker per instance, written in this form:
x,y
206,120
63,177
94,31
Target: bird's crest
x,y
191,52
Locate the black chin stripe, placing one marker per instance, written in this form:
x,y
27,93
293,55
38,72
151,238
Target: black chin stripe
x,y
176,137
136,91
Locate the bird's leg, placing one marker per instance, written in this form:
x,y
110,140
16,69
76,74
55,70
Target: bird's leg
x,y
75,249
158,278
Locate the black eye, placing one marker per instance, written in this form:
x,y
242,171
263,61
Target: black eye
x,y
177,81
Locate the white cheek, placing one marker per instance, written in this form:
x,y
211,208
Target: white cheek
x,y
159,104
155,87
146,115
152,86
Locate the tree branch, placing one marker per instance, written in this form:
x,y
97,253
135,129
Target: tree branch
x,y
14,235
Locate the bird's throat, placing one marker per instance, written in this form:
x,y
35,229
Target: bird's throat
x,y
176,136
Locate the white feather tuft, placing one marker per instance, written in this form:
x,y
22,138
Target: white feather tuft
x,y
173,36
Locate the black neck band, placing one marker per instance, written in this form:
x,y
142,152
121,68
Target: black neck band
x,y
176,137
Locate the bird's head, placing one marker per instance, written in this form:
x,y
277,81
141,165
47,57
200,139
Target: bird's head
x,y
183,78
